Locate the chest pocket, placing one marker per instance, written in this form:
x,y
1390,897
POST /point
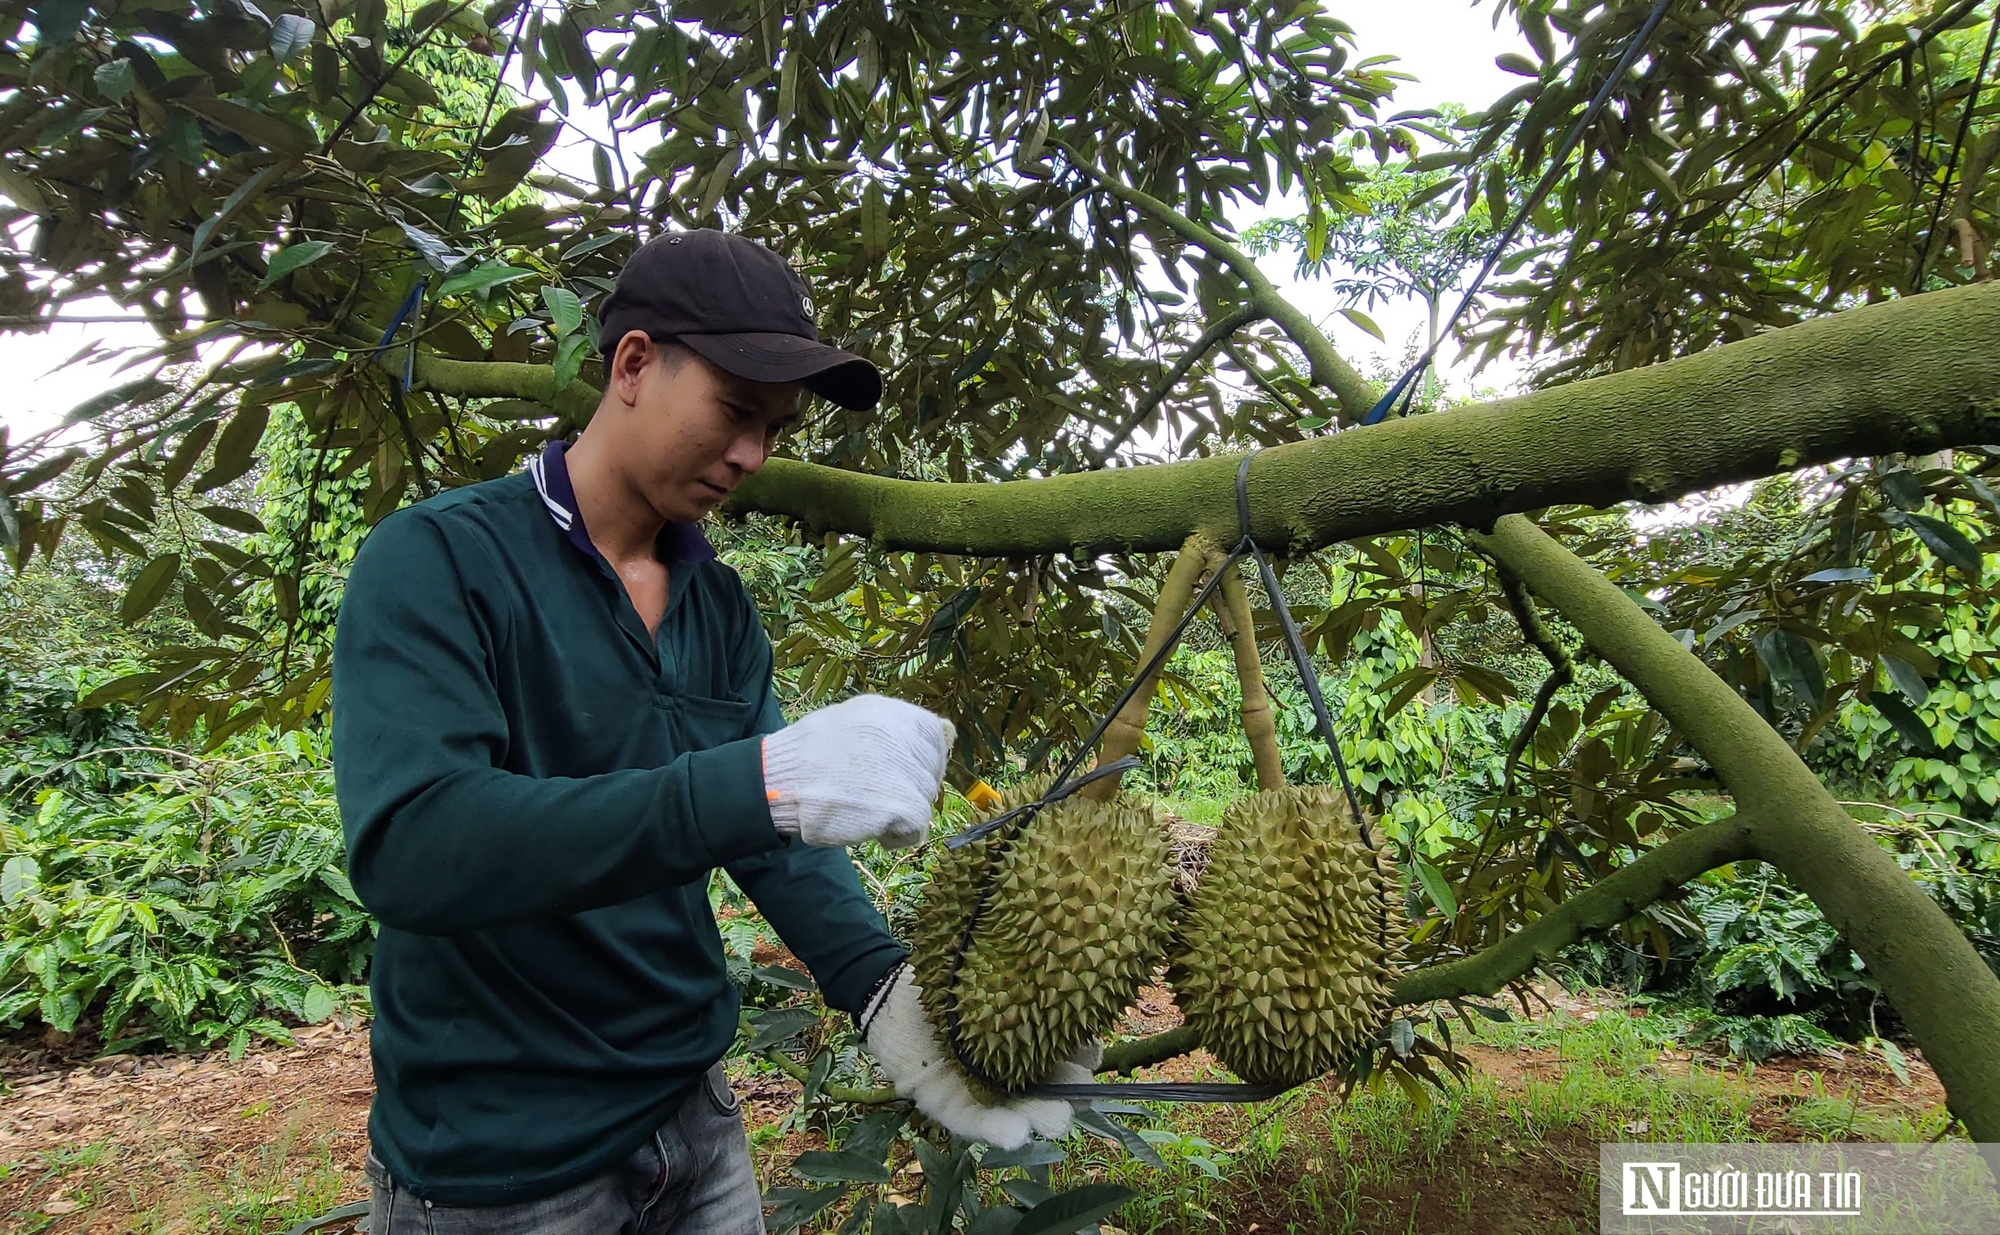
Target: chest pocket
x,y
707,722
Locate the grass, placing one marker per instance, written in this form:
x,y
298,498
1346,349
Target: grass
x,y
291,1179
1509,1150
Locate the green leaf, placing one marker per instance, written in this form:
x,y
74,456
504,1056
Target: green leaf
x,y
19,877
832,1166
1067,1212
293,257
235,448
257,127
481,277
244,193
1941,538
1904,489
1839,574
1984,492
1364,321
565,310
569,358
779,1025
1491,686
1402,1035
114,78
1034,1153
1515,62
795,1206
317,1005
1793,664
145,390
1000,1220
778,976
1100,1124
1907,679
1436,886
1406,686
149,587
232,518
1905,719
290,35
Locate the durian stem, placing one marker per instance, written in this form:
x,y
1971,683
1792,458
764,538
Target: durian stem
x,y
1129,726
1260,726
1611,900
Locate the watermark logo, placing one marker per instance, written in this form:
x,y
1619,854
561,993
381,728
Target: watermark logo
x,y
1664,1188
1853,1189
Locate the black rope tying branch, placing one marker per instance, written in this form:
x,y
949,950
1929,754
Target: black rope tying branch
x,y
1009,824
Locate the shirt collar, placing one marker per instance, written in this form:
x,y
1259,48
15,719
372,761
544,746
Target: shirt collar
x,y
678,542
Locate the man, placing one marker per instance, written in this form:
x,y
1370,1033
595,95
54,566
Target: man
x,y
553,718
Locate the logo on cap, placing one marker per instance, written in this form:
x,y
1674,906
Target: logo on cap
x,y
807,303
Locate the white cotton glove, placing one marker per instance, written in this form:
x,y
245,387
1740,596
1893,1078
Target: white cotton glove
x,y
867,768
917,1060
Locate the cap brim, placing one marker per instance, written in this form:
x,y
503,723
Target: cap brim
x,y
827,371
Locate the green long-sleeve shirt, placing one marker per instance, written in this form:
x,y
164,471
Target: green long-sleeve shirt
x,y
534,793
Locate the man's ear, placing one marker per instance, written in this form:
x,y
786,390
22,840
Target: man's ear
x,y
628,363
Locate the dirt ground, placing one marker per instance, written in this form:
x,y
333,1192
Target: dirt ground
x,y
179,1143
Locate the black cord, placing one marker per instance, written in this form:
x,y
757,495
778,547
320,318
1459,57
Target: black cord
x,y
1957,147
1405,388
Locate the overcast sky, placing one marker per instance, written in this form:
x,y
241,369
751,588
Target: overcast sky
x,y
1447,45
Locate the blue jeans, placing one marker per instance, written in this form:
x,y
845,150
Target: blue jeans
x,y
693,1178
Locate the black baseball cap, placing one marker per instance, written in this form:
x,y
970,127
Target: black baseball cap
x,y
738,305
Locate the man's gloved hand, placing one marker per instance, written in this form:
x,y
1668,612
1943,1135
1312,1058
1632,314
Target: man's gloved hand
x,y
917,1059
867,768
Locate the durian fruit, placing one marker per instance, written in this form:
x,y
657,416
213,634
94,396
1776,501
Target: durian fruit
x,y
1289,945
1080,912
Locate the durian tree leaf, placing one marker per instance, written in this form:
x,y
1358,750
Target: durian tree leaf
x,y
822,1067
1947,542
1840,574
1103,1126
482,277
290,35
1404,687
235,448
149,587
565,309
1402,1035
1906,679
232,518
1365,322
1034,1153
143,390
1000,1220
1905,719
797,1206
1792,663
1904,489
1068,1212
833,1166
1026,1193
873,1134
778,975
1491,686
294,257
779,1025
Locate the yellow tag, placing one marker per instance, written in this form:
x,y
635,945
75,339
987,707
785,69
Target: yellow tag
x,y
982,795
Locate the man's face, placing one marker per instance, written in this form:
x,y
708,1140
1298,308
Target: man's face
x,y
692,431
